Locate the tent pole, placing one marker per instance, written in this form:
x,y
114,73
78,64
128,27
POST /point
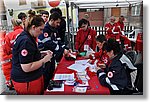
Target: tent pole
x,y
67,11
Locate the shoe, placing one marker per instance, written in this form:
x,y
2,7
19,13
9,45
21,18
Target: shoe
x,y
9,85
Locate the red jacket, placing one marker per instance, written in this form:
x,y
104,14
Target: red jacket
x,y
7,51
121,25
117,30
127,43
2,43
101,56
118,27
80,37
9,40
108,29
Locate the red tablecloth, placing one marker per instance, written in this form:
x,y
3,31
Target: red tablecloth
x,y
95,87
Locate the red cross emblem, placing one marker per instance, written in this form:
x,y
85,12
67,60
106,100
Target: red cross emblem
x,y
24,52
89,36
46,35
110,74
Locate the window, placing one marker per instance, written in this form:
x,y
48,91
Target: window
x,y
136,10
22,2
115,11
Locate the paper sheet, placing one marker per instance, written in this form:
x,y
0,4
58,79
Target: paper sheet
x,y
64,76
78,67
83,62
80,89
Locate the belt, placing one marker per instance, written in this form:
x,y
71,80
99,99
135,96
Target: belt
x,y
6,61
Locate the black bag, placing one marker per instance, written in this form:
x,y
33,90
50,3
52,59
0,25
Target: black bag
x,y
54,84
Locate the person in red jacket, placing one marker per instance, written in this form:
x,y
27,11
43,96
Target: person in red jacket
x,y
2,42
85,38
109,26
118,31
118,28
101,55
7,48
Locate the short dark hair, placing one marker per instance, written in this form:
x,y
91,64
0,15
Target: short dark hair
x,y
112,44
44,12
22,15
58,10
100,38
31,13
55,16
83,21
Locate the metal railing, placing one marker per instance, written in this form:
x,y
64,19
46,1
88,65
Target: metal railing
x,y
7,28
101,29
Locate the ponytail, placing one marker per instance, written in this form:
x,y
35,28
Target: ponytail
x,y
35,20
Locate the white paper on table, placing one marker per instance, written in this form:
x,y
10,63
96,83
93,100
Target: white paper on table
x,y
89,51
69,82
57,89
84,84
82,61
80,89
83,78
82,73
64,76
78,67
90,65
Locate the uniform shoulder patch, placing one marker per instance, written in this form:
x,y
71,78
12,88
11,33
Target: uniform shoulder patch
x,y
110,74
24,52
45,34
89,36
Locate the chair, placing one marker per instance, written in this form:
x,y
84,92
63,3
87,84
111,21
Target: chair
x,y
133,35
132,55
136,76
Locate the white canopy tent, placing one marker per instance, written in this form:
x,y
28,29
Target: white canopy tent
x,y
104,3
94,4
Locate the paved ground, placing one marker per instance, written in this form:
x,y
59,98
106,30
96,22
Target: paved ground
x,y
2,85
3,89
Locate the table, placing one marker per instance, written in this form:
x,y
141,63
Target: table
x,y
95,87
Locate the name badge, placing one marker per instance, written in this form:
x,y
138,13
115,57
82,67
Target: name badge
x,y
86,47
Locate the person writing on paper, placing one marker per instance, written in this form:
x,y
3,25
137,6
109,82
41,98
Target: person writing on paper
x,y
27,64
100,56
85,37
116,75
